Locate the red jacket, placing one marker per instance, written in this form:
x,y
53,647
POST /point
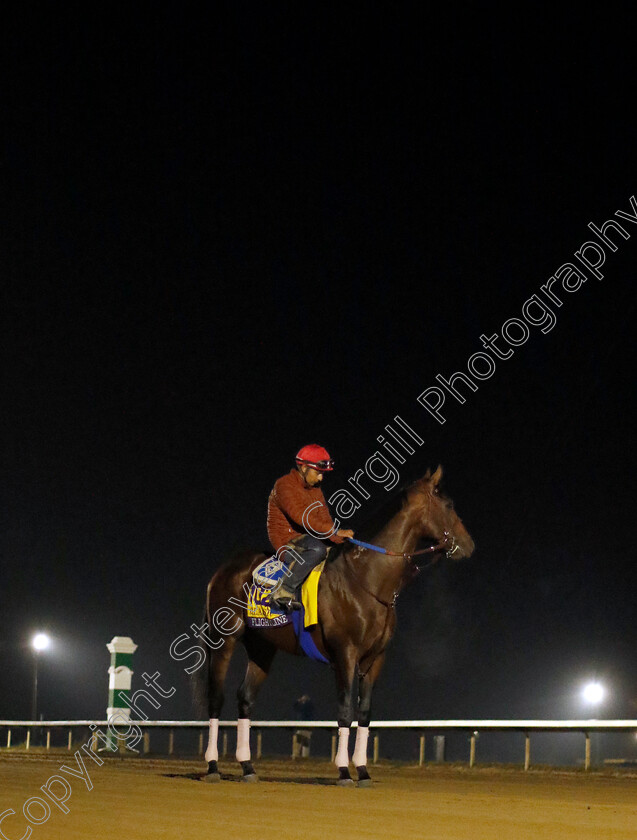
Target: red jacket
x,y
289,499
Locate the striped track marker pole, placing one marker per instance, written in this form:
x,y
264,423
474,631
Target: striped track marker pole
x,y
120,677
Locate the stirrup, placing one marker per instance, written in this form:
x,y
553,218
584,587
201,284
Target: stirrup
x,y
286,603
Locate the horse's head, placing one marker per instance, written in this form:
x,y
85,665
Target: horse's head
x,y
433,514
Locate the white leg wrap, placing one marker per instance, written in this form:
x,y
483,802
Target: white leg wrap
x,y
243,739
212,753
342,754
360,749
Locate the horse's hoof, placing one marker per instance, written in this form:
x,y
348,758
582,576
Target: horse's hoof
x,y
250,777
344,778
363,776
212,777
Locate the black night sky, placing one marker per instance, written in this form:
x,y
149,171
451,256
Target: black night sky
x,y
225,238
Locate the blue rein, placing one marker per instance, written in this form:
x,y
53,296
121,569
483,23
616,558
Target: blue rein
x,y
443,545
362,544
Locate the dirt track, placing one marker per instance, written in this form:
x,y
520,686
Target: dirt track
x,y
137,799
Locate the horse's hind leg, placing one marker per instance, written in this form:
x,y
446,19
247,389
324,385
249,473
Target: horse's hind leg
x,y
365,690
217,669
260,655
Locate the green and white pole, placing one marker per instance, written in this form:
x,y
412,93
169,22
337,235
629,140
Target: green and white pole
x,y
120,676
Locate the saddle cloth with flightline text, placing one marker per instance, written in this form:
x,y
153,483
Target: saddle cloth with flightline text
x,y
259,613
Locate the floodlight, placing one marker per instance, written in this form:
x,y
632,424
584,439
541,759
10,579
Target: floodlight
x,y
593,693
40,642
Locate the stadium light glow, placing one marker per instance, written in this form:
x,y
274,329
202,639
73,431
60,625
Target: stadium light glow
x,y
40,642
593,693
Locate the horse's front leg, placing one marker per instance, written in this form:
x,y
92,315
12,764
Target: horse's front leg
x,y
260,655
365,690
345,671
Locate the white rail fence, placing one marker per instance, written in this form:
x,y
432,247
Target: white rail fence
x,y
422,727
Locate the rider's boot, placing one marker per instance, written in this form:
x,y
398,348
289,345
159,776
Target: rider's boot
x,y
284,596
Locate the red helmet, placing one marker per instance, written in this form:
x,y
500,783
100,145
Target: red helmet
x,y
315,456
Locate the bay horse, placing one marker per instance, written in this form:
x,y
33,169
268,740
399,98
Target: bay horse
x,y
356,619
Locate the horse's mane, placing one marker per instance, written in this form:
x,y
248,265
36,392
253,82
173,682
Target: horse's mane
x,y
382,514
376,521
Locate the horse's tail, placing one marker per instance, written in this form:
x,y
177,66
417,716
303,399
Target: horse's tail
x,y
200,678
227,582
199,681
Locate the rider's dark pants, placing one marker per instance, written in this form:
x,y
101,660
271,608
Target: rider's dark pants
x,y
311,551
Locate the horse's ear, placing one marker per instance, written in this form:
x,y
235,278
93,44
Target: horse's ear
x,y
435,478
427,475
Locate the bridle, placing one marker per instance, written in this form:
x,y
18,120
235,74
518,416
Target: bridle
x,y
448,544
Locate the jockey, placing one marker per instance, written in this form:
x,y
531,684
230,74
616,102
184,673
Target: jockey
x,y
298,520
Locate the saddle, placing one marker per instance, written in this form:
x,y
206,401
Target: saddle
x,y
268,574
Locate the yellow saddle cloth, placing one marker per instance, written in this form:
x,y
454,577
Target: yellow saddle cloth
x,y
309,595
260,614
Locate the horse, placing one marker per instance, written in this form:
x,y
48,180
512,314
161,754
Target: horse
x,y
357,594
